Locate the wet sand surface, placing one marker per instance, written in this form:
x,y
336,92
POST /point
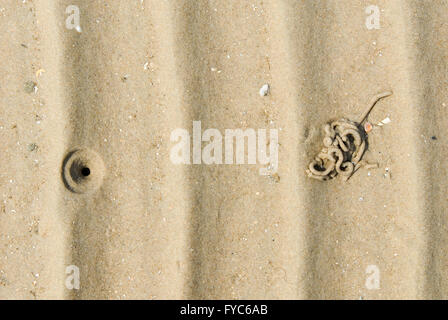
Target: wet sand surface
x,y
137,226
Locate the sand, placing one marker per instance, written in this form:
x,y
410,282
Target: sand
x,y
108,94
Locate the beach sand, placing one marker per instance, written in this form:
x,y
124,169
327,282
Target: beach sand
x,y
111,92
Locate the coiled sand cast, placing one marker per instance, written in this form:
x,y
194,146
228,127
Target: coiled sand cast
x,y
345,143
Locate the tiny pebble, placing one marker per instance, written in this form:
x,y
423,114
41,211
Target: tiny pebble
x,y
30,87
368,127
32,147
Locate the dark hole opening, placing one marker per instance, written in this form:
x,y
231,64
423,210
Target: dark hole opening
x,y
85,171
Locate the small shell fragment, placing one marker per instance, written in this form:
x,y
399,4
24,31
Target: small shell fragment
x,y
384,121
39,72
264,90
